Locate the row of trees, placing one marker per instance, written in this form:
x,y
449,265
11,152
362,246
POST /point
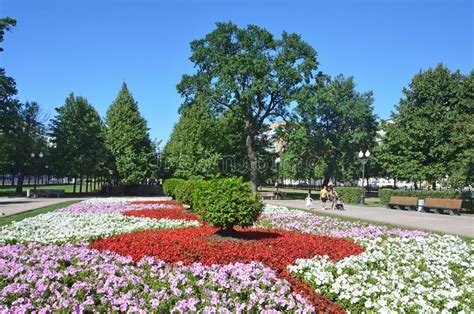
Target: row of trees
x,y
246,78
83,145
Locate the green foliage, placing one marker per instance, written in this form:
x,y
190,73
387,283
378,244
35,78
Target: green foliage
x,y
191,151
169,186
251,73
226,203
349,195
127,139
385,194
6,24
79,145
431,134
335,122
184,191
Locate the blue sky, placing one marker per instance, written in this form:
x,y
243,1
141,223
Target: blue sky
x,y
90,47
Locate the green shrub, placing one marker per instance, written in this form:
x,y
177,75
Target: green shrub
x,y
184,191
170,185
226,203
349,195
385,194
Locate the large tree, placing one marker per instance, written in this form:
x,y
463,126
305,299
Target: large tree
x,y
79,145
9,106
430,135
251,73
191,151
127,139
337,121
27,137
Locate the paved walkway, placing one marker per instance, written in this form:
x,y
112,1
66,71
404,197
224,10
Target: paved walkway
x,y
12,206
459,225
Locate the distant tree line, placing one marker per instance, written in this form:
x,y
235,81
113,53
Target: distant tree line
x,y
246,78
83,145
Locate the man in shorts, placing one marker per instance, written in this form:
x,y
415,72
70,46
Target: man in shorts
x,y
323,195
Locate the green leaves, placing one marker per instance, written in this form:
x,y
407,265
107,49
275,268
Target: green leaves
x,y
430,137
127,139
79,144
249,73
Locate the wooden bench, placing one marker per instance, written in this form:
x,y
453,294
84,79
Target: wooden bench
x,y
438,205
46,193
403,202
270,195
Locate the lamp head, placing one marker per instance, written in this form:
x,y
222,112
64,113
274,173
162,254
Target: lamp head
x,y
367,154
361,154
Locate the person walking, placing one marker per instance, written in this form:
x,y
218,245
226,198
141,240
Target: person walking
x,y
333,196
309,201
323,195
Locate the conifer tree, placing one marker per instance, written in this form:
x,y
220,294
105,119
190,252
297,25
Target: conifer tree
x,y
127,139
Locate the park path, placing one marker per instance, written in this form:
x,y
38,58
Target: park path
x,y
11,206
459,225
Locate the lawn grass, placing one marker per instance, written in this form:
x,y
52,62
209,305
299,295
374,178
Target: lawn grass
x,y
68,188
6,220
378,223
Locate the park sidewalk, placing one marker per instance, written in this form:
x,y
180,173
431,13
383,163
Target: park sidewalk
x,y
458,225
11,206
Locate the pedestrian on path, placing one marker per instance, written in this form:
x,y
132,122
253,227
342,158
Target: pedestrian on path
x,y
323,195
309,201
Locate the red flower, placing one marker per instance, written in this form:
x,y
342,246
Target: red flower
x,y
275,248
169,213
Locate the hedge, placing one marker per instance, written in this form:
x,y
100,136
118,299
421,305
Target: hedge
x,y
385,194
349,195
184,191
170,185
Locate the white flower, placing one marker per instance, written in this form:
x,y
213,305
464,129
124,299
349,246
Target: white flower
x,y
56,227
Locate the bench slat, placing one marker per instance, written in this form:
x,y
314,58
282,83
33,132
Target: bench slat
x,y
403,200
443,203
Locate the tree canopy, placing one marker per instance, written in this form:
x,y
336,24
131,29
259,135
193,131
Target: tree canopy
x,y
251,73
430,135
77,132
127,139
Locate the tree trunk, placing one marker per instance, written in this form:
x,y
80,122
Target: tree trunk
x,y
80,184
253,162
326,180
395,183
434,185
87,184
19,184
74,187
95,181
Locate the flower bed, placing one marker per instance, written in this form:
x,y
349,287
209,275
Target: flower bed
x,y
276,249
76,278
57,227
296,220
419,274
306,268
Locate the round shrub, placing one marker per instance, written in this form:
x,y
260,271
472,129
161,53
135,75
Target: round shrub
x,y
226,203
185,190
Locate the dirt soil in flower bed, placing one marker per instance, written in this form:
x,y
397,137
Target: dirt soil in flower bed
x,y
276,248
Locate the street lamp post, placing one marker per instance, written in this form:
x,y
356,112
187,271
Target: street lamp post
x,y
277,163
363,158
36,158
47,174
